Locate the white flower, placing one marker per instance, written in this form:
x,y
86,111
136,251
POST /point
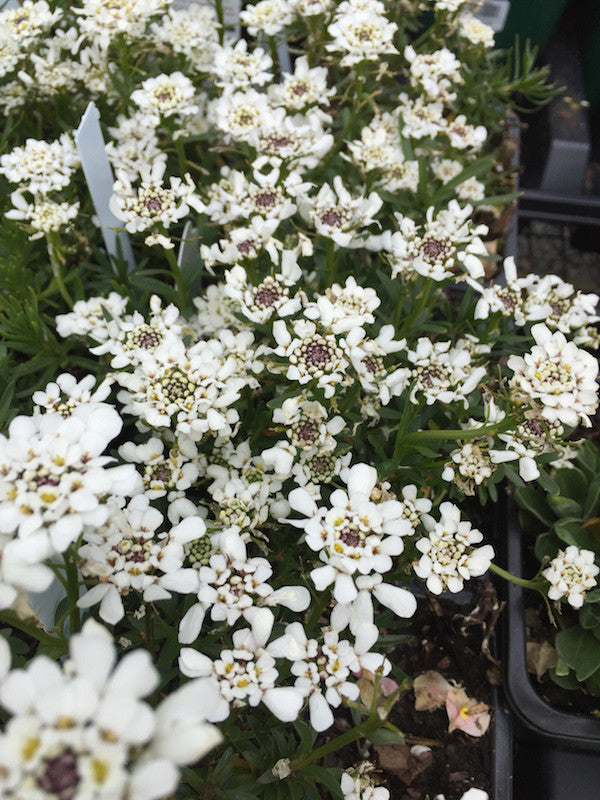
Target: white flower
x,y
39,166
83,729
449,557
434,72
129,554
271,296
66,393
236,68
28,21
471,465
559,375
53,476
570,574
43,215
166,95
362,34
311,355
130,336
357,534
464,136
89,317
168,474
102,20
443,373
305,87
152,205
342,308
444,247
421,117
367,356
323,669
246,674
190,388
136,145
357,784
474,30
267,16
339,216
240,115
231,583
192,31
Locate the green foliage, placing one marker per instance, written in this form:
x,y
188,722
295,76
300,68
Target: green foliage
x,y
563,519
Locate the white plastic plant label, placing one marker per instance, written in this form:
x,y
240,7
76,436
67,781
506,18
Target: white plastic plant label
x,y
99,177
493,13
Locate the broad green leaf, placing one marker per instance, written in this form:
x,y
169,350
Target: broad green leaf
x,y
536,503
571,532
580,649
564,506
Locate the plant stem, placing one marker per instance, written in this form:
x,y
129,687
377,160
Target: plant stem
x,y
317,609
150,629
178,277
461,434
56,262
181,158
508,576
358,732
219,10
331,262
72,576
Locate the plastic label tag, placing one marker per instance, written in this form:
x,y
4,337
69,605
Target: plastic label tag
x,y
493,13
99,177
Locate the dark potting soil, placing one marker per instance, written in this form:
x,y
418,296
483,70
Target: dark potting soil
x,y
453,639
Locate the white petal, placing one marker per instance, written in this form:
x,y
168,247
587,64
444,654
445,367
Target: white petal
x,y
191,624
284,702
402,602
321,715
344,590
296,598
153,780
300,500
194,664
322,577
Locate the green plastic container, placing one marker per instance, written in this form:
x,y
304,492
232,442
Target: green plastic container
x,y
530,19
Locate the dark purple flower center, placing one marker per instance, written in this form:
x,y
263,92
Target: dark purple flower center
x,y
266,297
432,248
60,776
350,537
331,218
266,200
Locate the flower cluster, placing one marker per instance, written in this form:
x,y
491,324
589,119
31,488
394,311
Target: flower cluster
x,y
276,404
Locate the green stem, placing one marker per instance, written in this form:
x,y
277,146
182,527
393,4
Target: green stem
x,y
317,609
460,434
54,251
219,10
508,576
359,732
181,158
422,301
40,635
178,278
150,629
72,576
331,262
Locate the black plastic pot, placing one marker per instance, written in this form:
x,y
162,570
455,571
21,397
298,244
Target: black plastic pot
x,y
569,731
